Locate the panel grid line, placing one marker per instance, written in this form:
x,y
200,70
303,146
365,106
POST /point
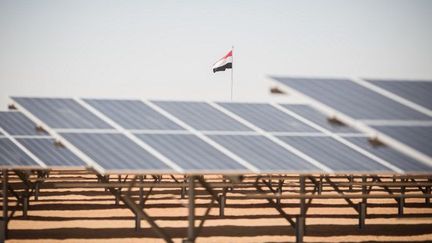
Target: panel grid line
x,y
359,125
273,138
23,149
59,138
392,96
203,137
340,139
130,136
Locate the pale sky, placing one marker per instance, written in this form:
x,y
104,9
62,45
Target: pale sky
x,y
165,49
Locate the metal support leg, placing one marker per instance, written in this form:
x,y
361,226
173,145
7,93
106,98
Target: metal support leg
x,y
191,216
362,206
279,191
428,192
141,192
137,222
36,191
362,214
320,185
401,200
25,204
183,191
301,219
300,223
221,205
351,180
4,221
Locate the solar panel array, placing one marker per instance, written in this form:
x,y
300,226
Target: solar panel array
x,y
141,136
398,109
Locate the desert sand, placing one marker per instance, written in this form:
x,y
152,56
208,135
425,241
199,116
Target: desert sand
x,y
90,215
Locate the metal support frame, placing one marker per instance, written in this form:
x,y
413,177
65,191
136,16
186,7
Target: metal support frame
x,y
5,218
138,211
349,201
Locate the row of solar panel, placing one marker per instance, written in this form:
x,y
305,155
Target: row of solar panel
x,y
136,115
363,103
360,102
115,152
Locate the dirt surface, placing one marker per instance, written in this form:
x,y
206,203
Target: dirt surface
x,y
90,215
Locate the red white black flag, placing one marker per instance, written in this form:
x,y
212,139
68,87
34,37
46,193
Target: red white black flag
x,y
225,62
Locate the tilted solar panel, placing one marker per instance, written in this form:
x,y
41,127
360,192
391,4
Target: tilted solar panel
x,y
50,154
201,116
116,152
352,99
11,156
61,113
419,92
267,117
402,161
191,153
267,156
133,114
317,117
418,137
334,154
15,123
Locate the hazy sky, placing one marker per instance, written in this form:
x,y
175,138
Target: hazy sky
x,y
165,49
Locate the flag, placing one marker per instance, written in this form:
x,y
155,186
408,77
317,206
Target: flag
x,y
225,62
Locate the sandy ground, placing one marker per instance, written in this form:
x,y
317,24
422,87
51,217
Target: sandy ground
x,y
90,215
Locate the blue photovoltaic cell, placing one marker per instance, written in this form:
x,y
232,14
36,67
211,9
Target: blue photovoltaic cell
x,y
115,152
191,153
61,113
12,156
419,92
201,116
51,154
418,138
352,99
133,114
334,154
267,117
320,119
15,123
264,154
396,158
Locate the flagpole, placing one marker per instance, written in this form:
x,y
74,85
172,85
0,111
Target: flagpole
x,y
232,71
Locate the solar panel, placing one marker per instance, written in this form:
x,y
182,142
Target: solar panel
x,y
267,117
352,99
334,154
12,156
133,114
115,152
264,154
402,161
15,123
191,153
201,116
61,113
50,154
418,137
419,92
318,118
